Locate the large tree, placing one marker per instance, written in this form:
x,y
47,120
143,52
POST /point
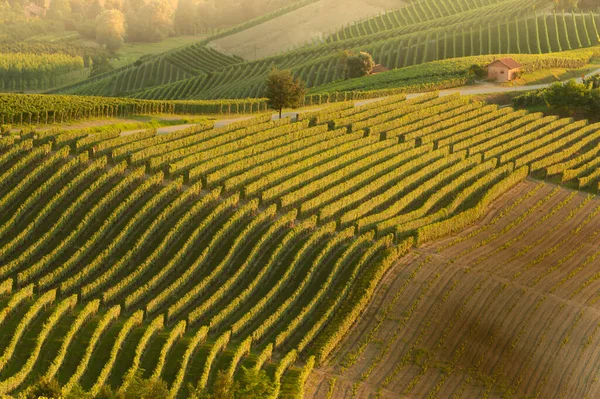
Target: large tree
x,y
152,22
110,29
59,9
283,91
94,8
186,19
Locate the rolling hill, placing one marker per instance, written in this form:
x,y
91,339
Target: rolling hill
x,y
429,245
259,244
413,35
505,308
308,24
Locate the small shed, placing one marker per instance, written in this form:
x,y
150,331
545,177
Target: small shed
x,y
379,69
34,11
503,70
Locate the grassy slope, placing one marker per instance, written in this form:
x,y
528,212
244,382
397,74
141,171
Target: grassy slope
x,y
304,25
130,52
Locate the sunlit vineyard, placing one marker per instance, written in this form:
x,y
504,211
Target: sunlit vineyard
x,y
20,71
255,244
179,64
453,72
503,309
25,109
486,36
416,12
421,32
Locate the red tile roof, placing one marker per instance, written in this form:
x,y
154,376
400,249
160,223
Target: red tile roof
x,y
379,68
35,9
508,62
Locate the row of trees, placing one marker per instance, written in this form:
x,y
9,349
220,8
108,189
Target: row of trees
x,y
113,22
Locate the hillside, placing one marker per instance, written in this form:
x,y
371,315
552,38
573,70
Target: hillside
x,y
307,24
491,28
259,243
507,307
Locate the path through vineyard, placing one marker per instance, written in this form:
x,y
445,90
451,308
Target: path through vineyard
x,y
478,89
508,308
491,88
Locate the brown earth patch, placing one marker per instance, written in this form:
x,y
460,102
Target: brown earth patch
x,y
510,307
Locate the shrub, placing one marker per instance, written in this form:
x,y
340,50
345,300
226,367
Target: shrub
x,y
48,388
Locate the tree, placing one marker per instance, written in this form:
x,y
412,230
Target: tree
x,y
106,392
223,388
139,388
595,102
284,91
152,22
77,392
45,388
569,98
186,17
477,71
360,65
254,385
94,8
110,29
59,9
355,65
592,81
100,65
113,5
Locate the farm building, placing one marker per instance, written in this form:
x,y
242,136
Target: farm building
x,y
379,69
34,11
503,70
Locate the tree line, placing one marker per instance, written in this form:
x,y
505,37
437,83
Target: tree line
x,y
114,22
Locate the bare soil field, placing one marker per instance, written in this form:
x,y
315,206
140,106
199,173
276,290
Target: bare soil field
x,y
509,308
299,27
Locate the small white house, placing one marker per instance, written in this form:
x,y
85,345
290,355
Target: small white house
x,y
503,70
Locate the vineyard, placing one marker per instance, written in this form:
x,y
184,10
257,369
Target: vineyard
x,y
179,64
424,32
19,109
319,65
506,308
454,72
20,71
259,243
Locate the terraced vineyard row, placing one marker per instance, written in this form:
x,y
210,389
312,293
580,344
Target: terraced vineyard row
x,y
211,249
414,13
34,109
